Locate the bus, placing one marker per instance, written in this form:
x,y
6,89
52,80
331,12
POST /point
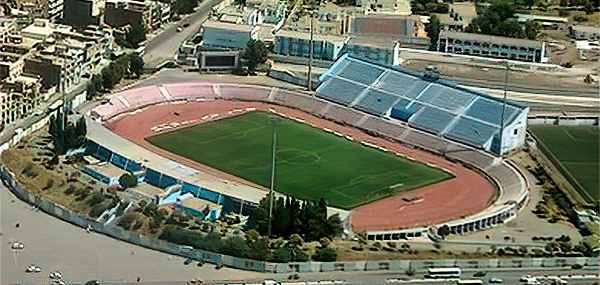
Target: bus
x,y
449,273
470,282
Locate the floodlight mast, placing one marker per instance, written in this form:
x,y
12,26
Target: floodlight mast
x,y
503,107
272,180
310,58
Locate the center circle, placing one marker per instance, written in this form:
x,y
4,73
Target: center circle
x,y
296,156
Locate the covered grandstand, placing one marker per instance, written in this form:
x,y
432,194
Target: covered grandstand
x,y
434,106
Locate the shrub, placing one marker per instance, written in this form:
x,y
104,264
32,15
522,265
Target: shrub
x,y
28,170
128,180
282,255
49,184
126,221
96,198
295,240
325,254
82,193
301,256
324,242
97,210
70,189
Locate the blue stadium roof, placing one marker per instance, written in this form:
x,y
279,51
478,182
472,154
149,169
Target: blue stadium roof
x,y
434,106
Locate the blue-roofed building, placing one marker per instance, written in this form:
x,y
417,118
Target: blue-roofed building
x,y
434,106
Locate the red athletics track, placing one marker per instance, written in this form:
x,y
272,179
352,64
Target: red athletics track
x,y
468,193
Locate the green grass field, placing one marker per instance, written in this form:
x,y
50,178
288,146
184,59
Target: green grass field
x,y
310,162
576,147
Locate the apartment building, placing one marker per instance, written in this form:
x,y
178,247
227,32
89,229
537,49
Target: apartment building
x,y
150,14
492,46
18,97
7,27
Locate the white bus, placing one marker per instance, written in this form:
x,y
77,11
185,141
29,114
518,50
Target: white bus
x,y
448,273
470,282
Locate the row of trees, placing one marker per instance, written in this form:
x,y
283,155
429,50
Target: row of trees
x,y
498,19
131,64
66,135
290,216
253,246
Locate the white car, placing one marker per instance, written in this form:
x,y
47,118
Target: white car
x,y
55,275
33,269
17,245
496,281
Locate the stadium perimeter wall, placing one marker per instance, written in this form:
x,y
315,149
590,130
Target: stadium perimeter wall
x,y
513,186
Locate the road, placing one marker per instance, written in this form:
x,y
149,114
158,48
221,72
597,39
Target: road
x,y
163,46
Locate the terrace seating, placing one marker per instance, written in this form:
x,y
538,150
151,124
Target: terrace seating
x,y
437,107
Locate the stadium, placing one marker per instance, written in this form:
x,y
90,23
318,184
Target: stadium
x,y
412,153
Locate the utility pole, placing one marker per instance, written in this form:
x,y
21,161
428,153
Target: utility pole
x,y
272,179
503,107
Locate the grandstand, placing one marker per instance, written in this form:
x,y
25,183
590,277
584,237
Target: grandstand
x,y
434,106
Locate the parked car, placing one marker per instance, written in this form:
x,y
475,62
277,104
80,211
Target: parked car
x,y
55,275
479,274
179,29
496,281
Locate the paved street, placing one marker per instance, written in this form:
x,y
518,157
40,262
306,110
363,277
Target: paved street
x,y
164,46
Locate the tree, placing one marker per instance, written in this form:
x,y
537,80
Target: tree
x,y
136,64
109,78
256,53
433,31
182,7
324,242
532,29
443,231
252,236
309,219
530,3
509,28
136,35
295,240
128,180
94,87
325,254
588,7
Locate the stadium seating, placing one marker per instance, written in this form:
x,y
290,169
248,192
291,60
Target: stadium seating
x,y
436,106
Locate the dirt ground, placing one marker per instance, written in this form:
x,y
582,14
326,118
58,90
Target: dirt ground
x,y
386,214
49,183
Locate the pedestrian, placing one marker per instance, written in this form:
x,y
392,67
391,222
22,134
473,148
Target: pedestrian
x,y
138,279
17,225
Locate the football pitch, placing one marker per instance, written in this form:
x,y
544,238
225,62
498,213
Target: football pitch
x,y
310,163
576,149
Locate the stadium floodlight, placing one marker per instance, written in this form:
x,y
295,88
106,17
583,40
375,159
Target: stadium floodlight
x,y
505,63
274,152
